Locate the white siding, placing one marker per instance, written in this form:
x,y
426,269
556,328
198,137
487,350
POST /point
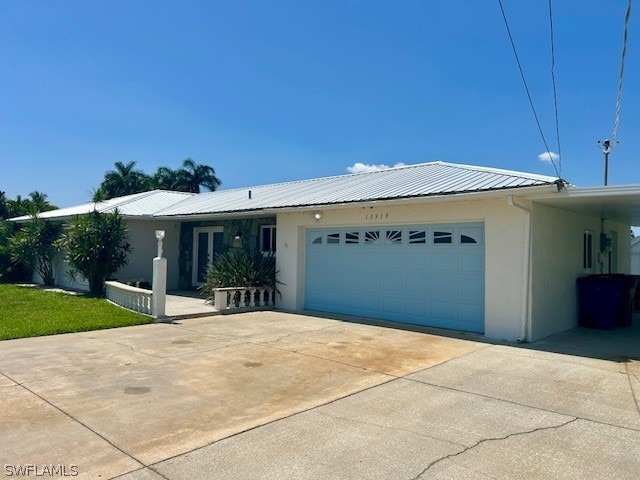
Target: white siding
x,y
145,248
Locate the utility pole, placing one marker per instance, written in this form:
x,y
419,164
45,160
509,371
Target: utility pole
x,y
606,146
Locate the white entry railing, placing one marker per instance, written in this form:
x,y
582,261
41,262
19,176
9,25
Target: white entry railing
x,y
242,299
133,298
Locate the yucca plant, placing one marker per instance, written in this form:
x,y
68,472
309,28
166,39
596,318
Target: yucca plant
x,y
238,268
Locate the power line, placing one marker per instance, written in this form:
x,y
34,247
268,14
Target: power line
x,y
555,92
616,122
526,87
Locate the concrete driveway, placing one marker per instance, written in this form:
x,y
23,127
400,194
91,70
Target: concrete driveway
x,y
276,395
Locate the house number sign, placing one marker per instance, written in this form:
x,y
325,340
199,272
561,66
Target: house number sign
x,y
371,217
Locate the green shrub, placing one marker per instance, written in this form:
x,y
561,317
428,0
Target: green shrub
x,y
238,268
35,246
97,247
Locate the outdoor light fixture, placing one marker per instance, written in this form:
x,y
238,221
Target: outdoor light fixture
x,y
317,216
237,239
159,236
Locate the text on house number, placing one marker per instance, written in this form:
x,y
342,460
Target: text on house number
x,y
376,216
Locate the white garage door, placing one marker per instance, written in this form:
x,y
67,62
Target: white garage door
x,y
429,275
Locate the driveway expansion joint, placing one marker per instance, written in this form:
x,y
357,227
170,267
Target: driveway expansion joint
x,y
633,393
482,395
388,427
495,439
79,422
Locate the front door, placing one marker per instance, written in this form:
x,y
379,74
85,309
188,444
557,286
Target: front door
x,y
207,244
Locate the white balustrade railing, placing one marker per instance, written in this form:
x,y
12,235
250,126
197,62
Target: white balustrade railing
x,y
132,298
239,299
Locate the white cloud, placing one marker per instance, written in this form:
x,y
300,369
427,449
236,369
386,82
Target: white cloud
x,y
365,167
544,157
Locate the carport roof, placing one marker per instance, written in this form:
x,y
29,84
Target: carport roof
x,y
411,181
618,203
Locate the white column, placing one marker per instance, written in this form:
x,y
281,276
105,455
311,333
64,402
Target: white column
x,y
159,287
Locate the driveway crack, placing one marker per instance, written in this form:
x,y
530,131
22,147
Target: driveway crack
x,y
633,393
495,439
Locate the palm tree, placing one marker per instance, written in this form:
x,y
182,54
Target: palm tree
x,y
124,180
4,211
166,178
192,176
39,202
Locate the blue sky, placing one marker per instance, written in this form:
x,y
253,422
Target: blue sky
x,y
284,90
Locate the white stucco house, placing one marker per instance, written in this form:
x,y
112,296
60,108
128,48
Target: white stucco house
x,y
454,246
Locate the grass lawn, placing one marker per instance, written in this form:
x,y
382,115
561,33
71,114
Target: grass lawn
x,y
31,312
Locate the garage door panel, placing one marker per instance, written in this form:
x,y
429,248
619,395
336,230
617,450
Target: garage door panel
x,y
371,303
394,281
353,279
471,262
372,258
444,287
372,280
444,260
418,260
418,283
393,304
471,289
352,300
469,314
333,297
417,308
393,259
443,311
428,275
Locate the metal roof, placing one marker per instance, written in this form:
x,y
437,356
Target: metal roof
x,y
421,180
143,204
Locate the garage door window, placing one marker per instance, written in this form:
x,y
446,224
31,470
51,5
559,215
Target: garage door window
x,y
394,237
333,238
372,237
470,235
440,237
417,236
352,238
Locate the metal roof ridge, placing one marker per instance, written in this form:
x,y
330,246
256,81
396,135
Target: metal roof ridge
x,y
502,171
128,199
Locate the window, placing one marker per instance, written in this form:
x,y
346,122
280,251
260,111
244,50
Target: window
x,y
442,237
587,250
333,238
352,237
371,237
268,239
417,236
470,235
394,237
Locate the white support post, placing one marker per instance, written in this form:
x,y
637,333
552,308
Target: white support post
x,y
159,288
159,285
